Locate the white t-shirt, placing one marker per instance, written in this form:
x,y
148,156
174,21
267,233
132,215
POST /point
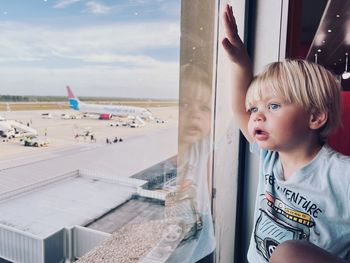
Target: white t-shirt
x,y
312,205
195,168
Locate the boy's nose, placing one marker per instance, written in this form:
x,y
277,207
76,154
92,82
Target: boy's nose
x,y
259,116
193,112
194,115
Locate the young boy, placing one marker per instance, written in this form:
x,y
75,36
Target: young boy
x,y
302,211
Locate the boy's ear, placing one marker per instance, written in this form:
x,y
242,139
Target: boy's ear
x,y
317,120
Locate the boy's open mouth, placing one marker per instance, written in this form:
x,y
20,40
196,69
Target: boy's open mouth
x,y
260,134
258,131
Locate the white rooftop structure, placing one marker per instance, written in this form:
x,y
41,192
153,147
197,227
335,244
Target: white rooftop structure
x,y
75,200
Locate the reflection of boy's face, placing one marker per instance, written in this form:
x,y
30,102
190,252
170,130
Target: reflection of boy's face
x,y
195,112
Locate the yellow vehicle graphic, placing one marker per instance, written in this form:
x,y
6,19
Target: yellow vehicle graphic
x,y
289,213
277,223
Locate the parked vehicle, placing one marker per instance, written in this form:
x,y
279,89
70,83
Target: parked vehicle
x,y
46,116
115,124
9,134
36,142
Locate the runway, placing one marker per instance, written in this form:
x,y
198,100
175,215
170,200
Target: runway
x,y
61,132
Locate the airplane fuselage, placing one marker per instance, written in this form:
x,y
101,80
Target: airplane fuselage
x,y
120,111
111,110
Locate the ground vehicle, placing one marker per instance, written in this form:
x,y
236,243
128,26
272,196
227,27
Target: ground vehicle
x,y
135,125
159,120
9,134
66,116
46,116
36,142
115,124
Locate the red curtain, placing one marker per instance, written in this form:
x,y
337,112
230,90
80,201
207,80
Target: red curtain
x,y
340,139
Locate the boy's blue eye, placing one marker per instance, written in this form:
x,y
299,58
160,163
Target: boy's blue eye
x,y
274,106
184,104
205,108
253,109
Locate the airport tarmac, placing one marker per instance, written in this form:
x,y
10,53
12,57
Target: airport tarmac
x,y
62,132
29,173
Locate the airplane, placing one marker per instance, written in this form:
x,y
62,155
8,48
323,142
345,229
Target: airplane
x,y
107,111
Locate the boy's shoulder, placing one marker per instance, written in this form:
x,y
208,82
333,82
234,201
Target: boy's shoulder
x,y
334,156
336,163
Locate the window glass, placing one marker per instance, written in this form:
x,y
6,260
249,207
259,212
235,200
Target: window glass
x,y
83,162
107,130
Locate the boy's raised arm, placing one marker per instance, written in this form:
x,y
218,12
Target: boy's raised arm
x,y
241,70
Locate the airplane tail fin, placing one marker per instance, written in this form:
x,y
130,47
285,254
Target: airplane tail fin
x,y
73,101
70,93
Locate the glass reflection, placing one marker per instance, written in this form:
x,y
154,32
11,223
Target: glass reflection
x,y
190,203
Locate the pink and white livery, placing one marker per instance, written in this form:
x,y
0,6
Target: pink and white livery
x,y
107,111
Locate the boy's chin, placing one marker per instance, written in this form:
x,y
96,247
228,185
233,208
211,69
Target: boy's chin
x,y
263,146
189,139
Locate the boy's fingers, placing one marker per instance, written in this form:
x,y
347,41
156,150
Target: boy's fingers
x,y
227,13
228,19
230,25
231,17
230,13
229,28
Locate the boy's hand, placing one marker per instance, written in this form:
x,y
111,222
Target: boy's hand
x,y
241,70
232,43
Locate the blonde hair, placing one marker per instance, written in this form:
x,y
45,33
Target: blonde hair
x,y
304,83
195,82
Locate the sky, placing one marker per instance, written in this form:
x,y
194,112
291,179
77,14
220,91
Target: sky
x,y
116,48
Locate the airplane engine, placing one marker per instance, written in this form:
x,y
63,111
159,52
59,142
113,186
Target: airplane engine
x,y
105,116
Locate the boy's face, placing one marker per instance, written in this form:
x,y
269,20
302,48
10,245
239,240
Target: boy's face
x,y
278,125
195,112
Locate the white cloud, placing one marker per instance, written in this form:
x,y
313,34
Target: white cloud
x,y
65,3
144,2
94,7
111,43
116,45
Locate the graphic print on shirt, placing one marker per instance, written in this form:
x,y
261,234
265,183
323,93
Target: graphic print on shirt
x,y
277,223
